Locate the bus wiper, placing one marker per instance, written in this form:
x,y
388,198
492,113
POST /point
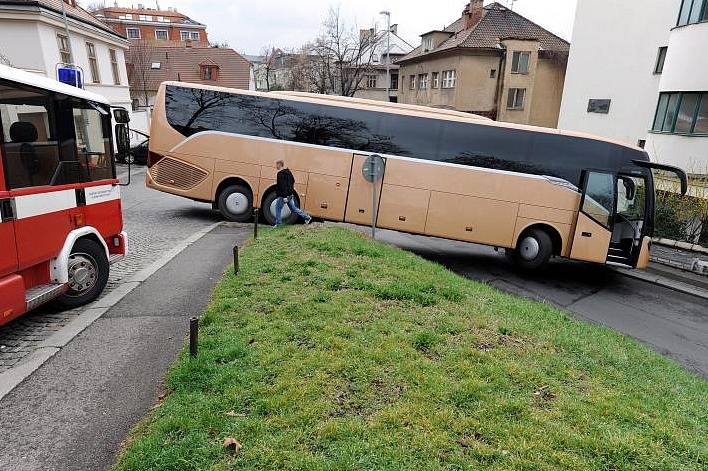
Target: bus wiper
x,y
667,168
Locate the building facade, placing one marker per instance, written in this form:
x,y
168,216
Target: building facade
x,y
492,62
387,49
149,24
33,38
642,82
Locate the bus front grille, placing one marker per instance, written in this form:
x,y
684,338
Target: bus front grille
x,y
175,174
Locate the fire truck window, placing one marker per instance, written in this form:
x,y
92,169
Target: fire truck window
x,y
92,144
29,143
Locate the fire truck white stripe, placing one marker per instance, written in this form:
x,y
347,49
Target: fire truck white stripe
x,y
101,194
43,203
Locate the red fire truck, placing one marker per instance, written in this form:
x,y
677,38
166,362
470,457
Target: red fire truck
x,y
60,210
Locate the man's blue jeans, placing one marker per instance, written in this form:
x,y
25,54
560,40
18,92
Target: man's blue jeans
x,y
280,202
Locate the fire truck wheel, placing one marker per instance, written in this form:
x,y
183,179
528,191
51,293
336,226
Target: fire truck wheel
x,y
236,203
88,274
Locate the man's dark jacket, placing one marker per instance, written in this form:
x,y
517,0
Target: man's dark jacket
x,y
286,183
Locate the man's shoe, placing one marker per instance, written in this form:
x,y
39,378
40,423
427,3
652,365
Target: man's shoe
x,y
308,220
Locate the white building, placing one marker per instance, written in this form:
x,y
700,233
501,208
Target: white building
x,y
638,73
33,38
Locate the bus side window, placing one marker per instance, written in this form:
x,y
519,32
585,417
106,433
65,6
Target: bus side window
x,y
31,150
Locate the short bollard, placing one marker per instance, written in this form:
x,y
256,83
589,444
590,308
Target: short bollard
x,y
193,336
236,260
255,223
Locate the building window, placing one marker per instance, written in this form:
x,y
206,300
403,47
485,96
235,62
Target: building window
x,y
599,106
411,83
449,77
660,59
114,66
375,58
516,99
184,35
493,73
133,33
436,80
423,81
520,62
394,81
145,17
195,37
210,72
161,34
64,49
128,16
93,62
427,44
693,11
682,113
371,81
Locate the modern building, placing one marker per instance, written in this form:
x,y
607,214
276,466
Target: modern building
x,y
386,50
642,82
491,61
217,66
150,24
33,37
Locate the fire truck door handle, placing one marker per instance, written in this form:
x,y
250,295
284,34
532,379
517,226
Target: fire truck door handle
x,y
7,210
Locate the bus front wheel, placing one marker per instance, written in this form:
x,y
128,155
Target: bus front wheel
x,y
268,210
534,249
235,203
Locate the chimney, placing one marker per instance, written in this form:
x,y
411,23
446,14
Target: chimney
x,y
473,13
394,28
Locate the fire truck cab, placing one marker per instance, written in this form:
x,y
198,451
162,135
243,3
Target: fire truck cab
x,y
61,224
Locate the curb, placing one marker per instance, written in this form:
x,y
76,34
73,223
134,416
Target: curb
x,y
12,378
664,282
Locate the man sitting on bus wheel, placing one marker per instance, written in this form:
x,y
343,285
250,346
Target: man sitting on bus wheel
x,y
285,189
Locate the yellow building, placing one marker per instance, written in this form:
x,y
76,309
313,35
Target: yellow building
x,y
491,61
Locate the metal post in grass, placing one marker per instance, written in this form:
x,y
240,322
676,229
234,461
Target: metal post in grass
x,y
193,336
235,259
255,223
373,171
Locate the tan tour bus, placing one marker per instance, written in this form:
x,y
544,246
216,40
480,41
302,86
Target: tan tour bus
x,y
537,192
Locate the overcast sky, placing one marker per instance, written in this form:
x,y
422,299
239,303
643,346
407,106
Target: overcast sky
x,y
248,25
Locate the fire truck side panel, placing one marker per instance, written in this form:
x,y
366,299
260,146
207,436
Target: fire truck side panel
x,y
12,304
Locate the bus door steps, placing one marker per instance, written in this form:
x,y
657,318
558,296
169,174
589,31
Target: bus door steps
x,y
39,295
619,260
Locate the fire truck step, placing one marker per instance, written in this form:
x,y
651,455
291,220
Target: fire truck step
x,y
39,295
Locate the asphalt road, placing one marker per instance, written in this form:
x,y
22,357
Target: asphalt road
x,y
671,323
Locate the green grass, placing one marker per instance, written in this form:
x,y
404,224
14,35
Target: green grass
x,y
332,352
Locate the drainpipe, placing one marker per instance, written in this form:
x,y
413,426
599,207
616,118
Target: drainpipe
x,y
499,94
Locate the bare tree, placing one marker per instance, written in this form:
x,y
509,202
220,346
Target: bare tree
x,y
347,58
139,62
95,6
267,68
5,60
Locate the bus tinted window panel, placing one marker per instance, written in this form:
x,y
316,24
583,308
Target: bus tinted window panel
x,y
193,110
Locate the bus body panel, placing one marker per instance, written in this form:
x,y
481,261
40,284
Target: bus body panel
x,y
326,196
404,209
643,261
591,241
360,199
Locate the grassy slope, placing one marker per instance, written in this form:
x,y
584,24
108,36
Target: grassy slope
x,y
333,352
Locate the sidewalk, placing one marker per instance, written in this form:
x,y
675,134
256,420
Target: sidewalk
x,y
76,410
675,257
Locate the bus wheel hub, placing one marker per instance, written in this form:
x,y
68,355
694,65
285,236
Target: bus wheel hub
x,y
237,203
529,248
82,273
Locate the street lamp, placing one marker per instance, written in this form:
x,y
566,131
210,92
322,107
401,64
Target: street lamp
x,y
387,14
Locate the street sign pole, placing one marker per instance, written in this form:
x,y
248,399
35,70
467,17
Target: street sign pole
x,y
373,204
373,172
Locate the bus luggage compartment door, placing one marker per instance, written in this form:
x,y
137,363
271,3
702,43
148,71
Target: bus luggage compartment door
x,y
591,241
359,201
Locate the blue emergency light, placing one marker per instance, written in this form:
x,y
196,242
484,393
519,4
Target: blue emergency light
x,y
70,76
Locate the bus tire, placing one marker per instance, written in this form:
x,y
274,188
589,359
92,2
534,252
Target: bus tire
x,y
268,210
235,203
88,274
533,250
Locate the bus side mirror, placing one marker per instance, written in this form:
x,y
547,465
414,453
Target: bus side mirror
x,y
123,145
121,115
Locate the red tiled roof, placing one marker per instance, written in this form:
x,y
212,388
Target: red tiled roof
x,y
183,64
497,24
75,12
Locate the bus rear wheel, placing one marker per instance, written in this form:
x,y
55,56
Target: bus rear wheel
x,y
534,249
235,203
88,274
268,210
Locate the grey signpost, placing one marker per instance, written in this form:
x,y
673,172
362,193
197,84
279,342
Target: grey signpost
x,y
373,172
